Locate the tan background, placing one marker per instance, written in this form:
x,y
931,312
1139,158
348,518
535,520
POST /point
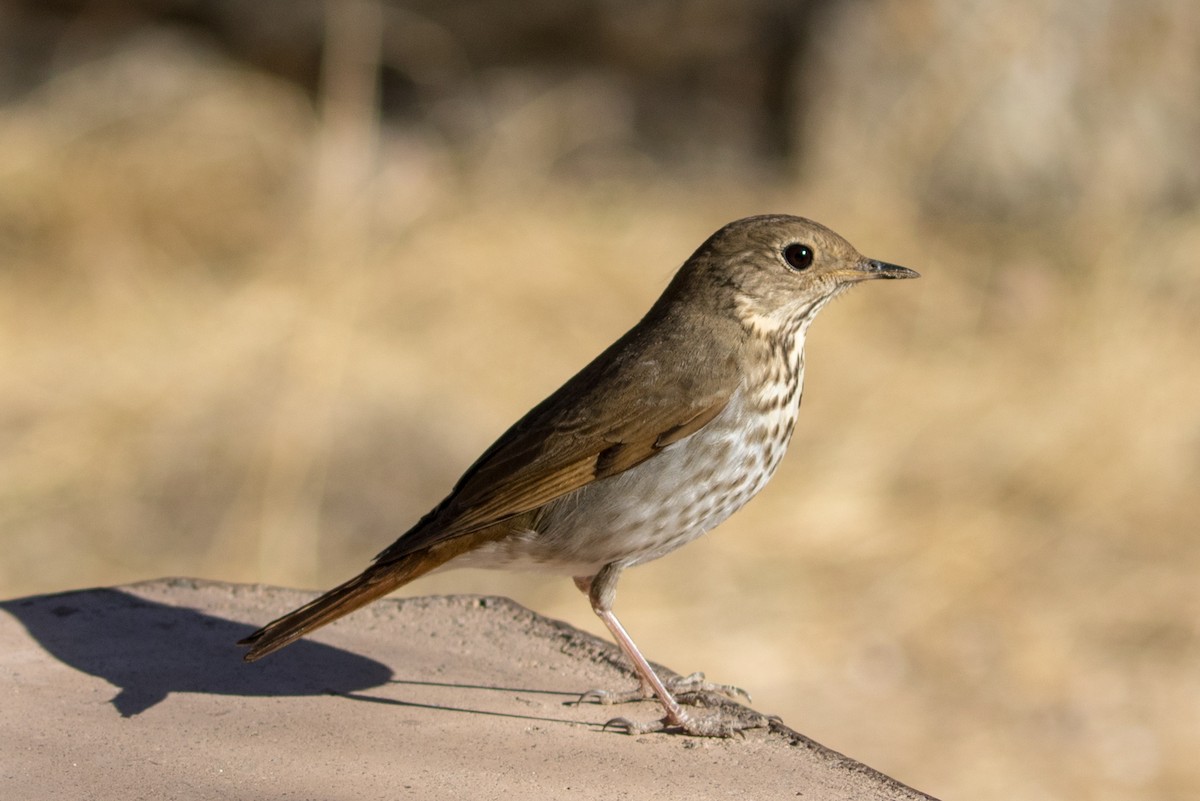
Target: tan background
x,y
250,330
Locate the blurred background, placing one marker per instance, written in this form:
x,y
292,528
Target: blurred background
x,y
272,274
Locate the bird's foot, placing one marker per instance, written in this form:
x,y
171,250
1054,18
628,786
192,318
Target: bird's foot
x,y
720,722
686,689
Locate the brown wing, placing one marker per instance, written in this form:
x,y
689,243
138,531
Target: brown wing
x,y
619,411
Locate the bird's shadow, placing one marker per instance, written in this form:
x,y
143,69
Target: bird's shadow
x,y
149,650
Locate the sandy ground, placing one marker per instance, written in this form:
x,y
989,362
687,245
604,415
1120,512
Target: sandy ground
x,y
138,692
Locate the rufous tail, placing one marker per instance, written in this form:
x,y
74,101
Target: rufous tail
x,y
373,583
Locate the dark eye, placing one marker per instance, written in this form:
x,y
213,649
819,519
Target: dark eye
x,y
798,256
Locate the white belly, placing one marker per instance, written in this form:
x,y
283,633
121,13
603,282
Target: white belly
x,y
688,488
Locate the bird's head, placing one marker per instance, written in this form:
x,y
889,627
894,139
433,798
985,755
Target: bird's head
x,y
777,271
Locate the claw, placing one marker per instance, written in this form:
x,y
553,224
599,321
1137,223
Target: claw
x,y
696,683
602,697
687,689
718,724
634,728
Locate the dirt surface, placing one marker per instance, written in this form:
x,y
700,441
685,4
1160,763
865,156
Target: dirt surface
x,y
139,692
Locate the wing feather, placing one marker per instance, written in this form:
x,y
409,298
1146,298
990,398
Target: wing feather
x,y
599,424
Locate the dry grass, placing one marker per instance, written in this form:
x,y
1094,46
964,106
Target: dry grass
x,y
976,570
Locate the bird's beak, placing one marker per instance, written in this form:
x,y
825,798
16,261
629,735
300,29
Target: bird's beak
x,y
872,268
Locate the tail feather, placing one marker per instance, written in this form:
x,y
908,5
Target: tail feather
x,y
387,574
373,583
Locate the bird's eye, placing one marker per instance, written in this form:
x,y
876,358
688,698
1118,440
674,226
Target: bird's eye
x,y
798,256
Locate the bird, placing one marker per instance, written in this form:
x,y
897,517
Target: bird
x,y
659,439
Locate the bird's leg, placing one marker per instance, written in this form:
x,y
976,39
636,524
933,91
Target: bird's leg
x,y
601,590
691,684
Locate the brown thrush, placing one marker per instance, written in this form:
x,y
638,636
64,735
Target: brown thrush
x,y
663,436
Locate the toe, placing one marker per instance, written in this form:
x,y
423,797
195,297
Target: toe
x,y
633,727
697,683
609,697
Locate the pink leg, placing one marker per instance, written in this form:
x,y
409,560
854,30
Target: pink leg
x,y
601,590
